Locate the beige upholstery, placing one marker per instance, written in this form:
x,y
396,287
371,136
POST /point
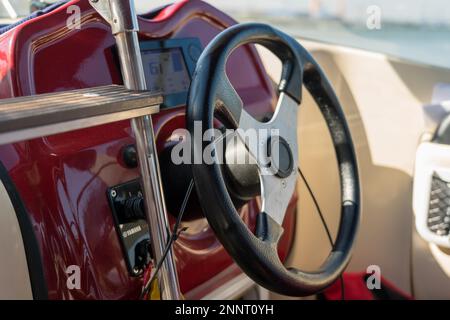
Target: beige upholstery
x,y
14,277
383,99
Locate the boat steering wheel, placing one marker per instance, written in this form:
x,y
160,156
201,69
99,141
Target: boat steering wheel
x,y
211,90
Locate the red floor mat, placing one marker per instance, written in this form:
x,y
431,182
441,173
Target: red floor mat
x,y
355,288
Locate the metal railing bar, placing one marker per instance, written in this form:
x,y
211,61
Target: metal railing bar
x,y
72,125
15,115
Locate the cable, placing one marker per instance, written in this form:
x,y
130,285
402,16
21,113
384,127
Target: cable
x,y
324,223
172,239
175,234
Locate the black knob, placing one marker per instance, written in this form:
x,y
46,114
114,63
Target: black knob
x,y
134,208
129,155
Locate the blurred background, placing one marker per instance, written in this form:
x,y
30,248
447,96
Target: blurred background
x,y
417,30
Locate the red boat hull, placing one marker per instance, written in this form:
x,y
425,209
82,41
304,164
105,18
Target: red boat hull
x,y
62,179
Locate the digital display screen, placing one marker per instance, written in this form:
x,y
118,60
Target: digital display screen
x,y
165,71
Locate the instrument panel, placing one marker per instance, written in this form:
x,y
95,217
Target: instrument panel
x,y
168,66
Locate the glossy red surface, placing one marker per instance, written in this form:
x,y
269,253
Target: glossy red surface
x,y
62,179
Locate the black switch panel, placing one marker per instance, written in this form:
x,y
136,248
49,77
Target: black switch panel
x,y
127,206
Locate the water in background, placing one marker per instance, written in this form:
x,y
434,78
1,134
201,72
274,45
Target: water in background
x,y
417,30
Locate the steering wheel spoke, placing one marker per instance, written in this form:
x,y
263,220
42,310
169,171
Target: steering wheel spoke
x,y
267,141
248,129
228,100
285,118
276,194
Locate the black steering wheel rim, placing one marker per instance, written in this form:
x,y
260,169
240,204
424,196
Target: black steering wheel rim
x,y
257,254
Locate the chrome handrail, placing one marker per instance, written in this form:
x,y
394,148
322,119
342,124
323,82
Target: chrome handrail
x,y
122,17
25,118
30,117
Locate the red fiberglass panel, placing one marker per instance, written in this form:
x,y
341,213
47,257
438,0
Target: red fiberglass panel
x,y
62,179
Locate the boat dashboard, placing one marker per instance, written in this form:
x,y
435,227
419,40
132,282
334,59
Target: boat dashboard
x,y
77,186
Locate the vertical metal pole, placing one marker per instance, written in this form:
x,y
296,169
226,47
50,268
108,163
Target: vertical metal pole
x,y
123,19
10,9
